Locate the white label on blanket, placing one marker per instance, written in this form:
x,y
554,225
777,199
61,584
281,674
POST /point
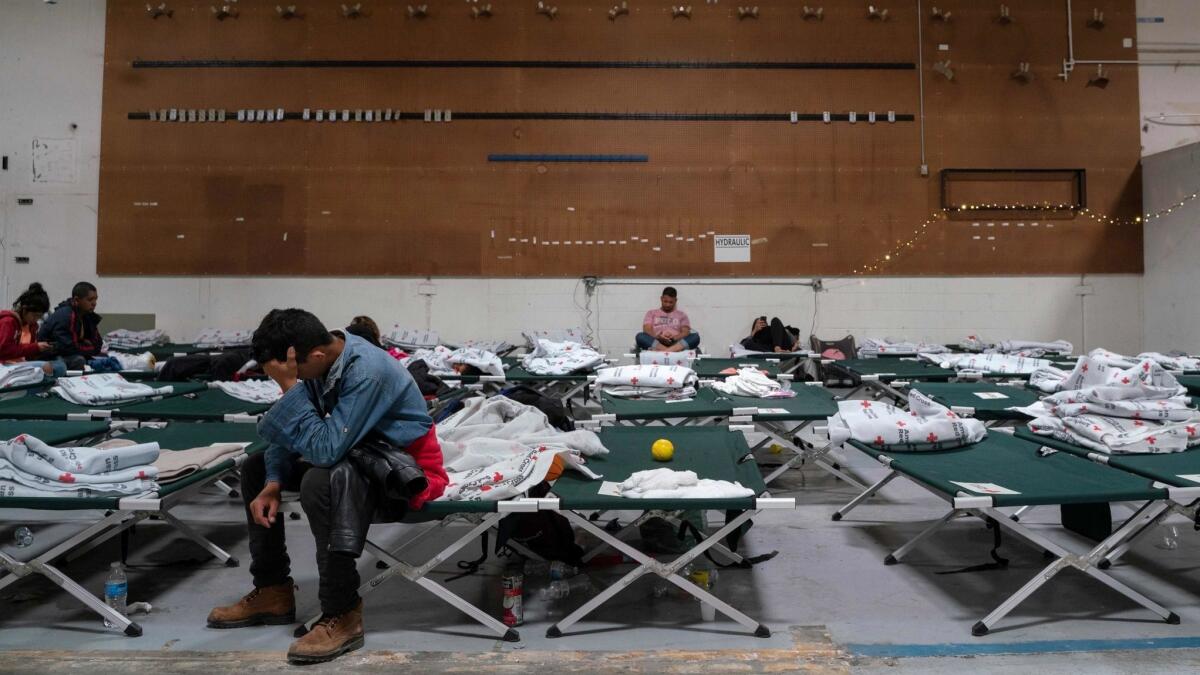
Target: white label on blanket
x,y
772,411
731,248
609,489
989,395
1194,477
986,488
677,400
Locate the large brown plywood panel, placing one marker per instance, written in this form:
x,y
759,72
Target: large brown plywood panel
x,y
416,198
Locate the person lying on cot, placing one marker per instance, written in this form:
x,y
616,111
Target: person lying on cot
x,y
338,389
666,328
74,328
771,337
365,327
19,327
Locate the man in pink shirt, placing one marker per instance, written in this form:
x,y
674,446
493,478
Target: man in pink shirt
x,y
666,329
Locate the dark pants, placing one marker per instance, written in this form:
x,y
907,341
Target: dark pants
x,y
269,561
774,335
647,341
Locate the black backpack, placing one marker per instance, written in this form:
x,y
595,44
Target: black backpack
x,y
554,410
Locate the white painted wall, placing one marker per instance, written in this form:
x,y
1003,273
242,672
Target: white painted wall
x,y
51,59
1172,249
1170,94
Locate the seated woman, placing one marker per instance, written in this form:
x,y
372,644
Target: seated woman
x,y
771,337
19,327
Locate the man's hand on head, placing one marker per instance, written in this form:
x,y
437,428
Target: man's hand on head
x,y
285,373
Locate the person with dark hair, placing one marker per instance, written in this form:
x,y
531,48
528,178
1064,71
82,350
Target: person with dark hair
x,y
366,328
771,337
339,392
74,327
666,328
19,326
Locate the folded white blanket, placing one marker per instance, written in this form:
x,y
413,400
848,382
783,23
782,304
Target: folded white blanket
x,y
135,339
223,337
28,461
104,389
576,335
496,448
1176,363
926,425
437,358
1133,401
1007,364
685,358
251,391
669,484
1031,348
647,381
1097,370
748,382
560,358
878,346
142,363
493,346
20,374
412,339
1116,435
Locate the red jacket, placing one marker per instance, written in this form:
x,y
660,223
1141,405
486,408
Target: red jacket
x,y
428,454
11,348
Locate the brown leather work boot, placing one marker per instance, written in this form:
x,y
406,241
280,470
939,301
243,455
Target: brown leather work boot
x,y
269,605
331,637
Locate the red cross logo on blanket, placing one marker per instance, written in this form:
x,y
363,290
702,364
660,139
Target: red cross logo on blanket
x,y
1085,368
1191,431
1146,367
1124,380
633,380
932,437
670,380
1151,440
879,440
901,424
541,448
1096,427
1137,415
497,477
485,488
142,475
950,413
1139,423
66,478
866,404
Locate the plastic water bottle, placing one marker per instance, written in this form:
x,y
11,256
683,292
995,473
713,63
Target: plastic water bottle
x,y
116,591
1170,538
561,570
556,590
23,537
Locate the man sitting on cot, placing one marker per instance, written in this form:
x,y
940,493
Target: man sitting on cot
x,y
339,390
667,329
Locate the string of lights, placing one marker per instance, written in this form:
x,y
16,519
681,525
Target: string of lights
x,y
1045,207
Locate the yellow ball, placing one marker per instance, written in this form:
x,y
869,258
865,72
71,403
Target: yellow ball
x,y
663,450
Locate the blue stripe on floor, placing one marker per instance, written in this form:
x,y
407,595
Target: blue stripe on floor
x,y
1045,647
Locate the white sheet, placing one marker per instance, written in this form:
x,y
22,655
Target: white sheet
x,y
104,389
20,374
685,358
251,391
130,340
926,425
223,337
28,462
1117,435
988,363
1097,370
144,362
1175,363
878,346
412,339
576,335
496,448
748,382
647,381
560,358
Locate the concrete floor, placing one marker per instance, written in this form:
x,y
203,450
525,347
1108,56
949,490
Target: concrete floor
x,y
833,605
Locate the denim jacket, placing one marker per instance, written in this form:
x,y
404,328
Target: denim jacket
x,y
320,420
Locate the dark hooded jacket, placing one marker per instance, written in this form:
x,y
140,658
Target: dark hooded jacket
x,y
72,332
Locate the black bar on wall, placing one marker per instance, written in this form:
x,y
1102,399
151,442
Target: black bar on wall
x,y
599,116
480,63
